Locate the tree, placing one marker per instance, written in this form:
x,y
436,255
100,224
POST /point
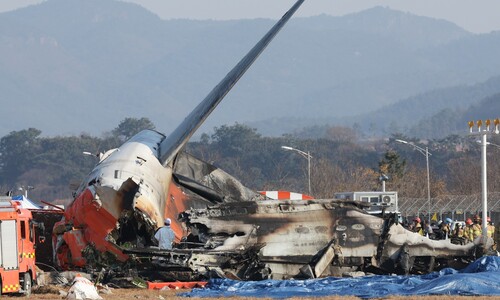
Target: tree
x,y
329,178
392,165
341,134
413,184
131,126
465,174
233,139
17,152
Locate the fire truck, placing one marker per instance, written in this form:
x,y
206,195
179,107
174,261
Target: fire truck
x,y
17,248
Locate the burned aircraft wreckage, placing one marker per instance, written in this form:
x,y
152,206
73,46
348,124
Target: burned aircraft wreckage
x,y
258,238
223,228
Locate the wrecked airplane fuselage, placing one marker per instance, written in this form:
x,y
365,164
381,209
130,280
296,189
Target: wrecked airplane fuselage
x,y
232,231
227,229
122,202
320,238
128,194
275,239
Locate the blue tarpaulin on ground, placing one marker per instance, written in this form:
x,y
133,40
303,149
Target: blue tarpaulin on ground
x,y
480,278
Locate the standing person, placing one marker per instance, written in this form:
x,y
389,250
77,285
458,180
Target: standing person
x,y
491,228
405,223
165,236
426,227
468,232
445,229
430,231
496,234
477,230
491,232
410,225
417,227
458,234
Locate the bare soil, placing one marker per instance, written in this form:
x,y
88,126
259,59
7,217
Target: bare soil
x,y
52,292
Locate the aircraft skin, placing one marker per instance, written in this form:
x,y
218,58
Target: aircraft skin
x,y
133,188
295,233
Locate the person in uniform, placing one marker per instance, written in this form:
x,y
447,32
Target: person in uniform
x,y
496,235
491,232
490,227
468,230
165,236
445,229
477,230
417,226
458,234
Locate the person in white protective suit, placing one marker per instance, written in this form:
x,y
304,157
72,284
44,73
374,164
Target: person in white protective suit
x,y
165,236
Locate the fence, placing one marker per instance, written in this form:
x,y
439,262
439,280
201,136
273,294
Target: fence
x,y
456,207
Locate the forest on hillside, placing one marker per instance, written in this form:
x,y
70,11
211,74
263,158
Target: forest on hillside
x,y
341,161
389,71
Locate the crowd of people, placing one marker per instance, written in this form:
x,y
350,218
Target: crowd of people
x,y
455,231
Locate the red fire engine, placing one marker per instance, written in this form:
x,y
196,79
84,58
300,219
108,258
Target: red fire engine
x,y
17,251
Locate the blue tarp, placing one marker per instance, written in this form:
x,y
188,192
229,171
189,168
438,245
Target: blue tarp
x,y
480,278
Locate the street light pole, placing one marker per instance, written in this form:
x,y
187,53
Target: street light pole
x,y
306,155
428,185
426,153
484,132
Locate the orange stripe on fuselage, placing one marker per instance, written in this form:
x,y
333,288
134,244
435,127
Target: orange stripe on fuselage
x,y
95,222
174,205
83,212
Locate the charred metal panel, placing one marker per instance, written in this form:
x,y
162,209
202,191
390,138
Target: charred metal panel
x,y
205,263
329,235
419,245
211,180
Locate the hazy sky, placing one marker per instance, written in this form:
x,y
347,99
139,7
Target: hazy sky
x,y
474,15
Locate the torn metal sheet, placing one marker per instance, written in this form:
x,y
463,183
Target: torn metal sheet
x,y
274,239
330,236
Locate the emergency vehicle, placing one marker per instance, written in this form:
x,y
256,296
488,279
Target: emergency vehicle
x,y
17,248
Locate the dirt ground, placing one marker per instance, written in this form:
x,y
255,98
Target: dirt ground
x,y
52,292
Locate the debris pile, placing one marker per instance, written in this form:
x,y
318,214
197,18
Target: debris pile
x,y
80,285
82,289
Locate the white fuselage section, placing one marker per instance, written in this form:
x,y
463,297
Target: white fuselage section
x,y
136,159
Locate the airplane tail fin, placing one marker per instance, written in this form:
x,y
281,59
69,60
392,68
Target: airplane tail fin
x,y
171,145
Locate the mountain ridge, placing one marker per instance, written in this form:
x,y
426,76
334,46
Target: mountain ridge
x,y
72,66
